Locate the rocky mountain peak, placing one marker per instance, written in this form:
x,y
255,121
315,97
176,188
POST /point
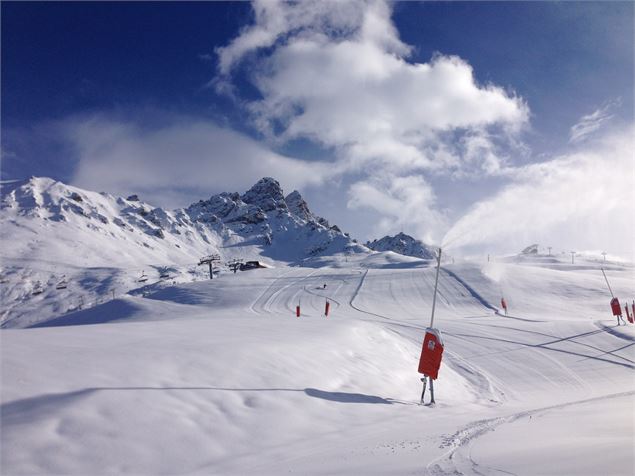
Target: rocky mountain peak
x,y
402,244
298,206
266,194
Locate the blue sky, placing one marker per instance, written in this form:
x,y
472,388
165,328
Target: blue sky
x,y
414,116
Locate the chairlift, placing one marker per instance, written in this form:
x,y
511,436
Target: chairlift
x,y
143,278
62,284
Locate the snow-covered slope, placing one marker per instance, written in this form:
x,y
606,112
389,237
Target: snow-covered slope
x,y
403,244
100,244
220,377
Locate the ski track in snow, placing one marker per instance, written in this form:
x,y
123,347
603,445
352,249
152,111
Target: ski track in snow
x,y
267,291
498,359
455,462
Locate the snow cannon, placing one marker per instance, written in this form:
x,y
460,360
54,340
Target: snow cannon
x,y
615,307
326,308
431,354
297,311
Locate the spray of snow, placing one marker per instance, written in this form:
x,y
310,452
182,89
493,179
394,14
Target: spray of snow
x,y
577,201
494,271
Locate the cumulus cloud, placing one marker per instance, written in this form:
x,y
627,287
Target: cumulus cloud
x,y
273,20
176,162
578,201
337,74
591,123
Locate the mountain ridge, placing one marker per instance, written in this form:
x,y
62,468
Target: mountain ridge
x,y
100,242
403,244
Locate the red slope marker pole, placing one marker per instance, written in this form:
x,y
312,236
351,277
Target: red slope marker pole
x,y
326,308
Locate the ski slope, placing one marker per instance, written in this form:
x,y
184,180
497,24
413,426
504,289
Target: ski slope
x,y
220,377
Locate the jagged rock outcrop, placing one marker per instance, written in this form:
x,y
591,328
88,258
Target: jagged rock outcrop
x,y
403,244
299,207
265,194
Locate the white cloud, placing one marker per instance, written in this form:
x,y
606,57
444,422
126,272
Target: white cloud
x,y
177,162
405,203
274,20
579,201
591,123
338,74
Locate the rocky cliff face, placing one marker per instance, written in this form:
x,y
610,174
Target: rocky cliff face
x,y
285,226
298,207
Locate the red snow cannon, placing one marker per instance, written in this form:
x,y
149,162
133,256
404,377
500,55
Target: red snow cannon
x,y
431,354
615,307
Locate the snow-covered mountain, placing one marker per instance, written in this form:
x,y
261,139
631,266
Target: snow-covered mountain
x,y
51,232
115,375
403,244
284,227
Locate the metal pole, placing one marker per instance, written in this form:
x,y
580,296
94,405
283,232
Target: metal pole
x,y
436,282
432,402
423,392
211,271
607,282
434,302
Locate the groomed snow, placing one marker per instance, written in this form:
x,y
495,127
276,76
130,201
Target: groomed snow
x,y
220,377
